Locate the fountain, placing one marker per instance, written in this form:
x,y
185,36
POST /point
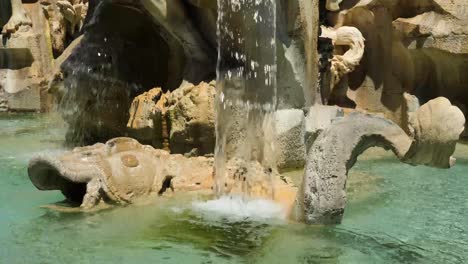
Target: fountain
x,y
246,87
240,161
248,122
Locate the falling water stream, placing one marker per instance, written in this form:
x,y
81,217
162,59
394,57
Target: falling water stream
x,y
246,84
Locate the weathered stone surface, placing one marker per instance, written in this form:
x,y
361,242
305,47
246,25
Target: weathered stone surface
x,y
289,143
437,125
111,65
334,152
191,119
122,171
25,61
346,37
19,18
317,119
418,47
437,129
147,114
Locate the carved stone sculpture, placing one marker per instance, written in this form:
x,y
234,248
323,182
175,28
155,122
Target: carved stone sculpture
x,y
346,63
123,171
120,171
438,126
18,18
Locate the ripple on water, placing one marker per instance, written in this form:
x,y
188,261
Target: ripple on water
x,y
396,214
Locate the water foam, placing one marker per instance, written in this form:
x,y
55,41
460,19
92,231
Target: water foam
x,y
235,208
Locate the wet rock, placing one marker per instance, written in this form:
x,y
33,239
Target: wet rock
x,y
191,119
148,116
289,143
317,119
111,65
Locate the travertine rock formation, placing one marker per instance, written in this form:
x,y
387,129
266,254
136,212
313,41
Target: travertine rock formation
x,y
289,140
147,121
191,119
437,127
181,120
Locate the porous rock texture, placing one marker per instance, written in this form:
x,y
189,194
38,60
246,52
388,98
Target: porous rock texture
x,y
191,119
120,171
289,141
181,120
437,126
148,116
184,49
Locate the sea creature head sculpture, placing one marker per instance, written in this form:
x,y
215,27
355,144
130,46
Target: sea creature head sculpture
x,y
118,172
123,171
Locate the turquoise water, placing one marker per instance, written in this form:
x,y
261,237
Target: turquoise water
x,y
396,214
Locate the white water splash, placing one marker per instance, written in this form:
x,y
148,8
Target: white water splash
x,y
237,209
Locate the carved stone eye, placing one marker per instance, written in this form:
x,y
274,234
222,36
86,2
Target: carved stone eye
x,y
129,161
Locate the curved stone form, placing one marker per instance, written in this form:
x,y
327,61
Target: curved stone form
x,y
346,63
437,127
335,152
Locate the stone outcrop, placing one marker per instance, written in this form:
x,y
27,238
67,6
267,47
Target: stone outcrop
x,y
183,48
31,38
181,120
147,116
123,171
437,127
111,65
191,119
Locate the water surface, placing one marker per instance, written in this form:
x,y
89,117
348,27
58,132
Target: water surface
x,y
396,214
